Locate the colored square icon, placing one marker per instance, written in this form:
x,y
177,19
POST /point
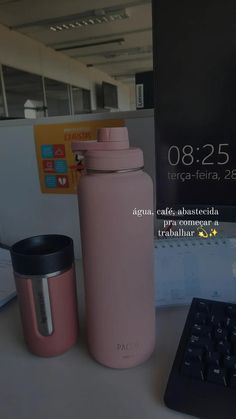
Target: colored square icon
x,y
48,166
47,151
61,166
59,151
50,181
62,182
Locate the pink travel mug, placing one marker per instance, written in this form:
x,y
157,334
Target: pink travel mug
x,y
45,281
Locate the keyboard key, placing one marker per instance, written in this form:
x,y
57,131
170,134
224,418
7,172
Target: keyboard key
x,y
213,358
201,330
232,379
218,309
224,347
193,370
220,334
231,311
203,307
194,354
230,324
197,329
233,337
194,339
229,361
201,342
200,318
217,320
216,376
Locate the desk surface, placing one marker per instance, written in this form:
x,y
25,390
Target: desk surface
x,y
74,386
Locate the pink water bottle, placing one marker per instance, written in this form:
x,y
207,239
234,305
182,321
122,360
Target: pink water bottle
x,y
117,248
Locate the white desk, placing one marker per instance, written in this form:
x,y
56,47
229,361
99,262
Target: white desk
x,y
74,386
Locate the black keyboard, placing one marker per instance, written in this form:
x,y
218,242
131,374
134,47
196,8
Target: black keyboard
x,y
202,381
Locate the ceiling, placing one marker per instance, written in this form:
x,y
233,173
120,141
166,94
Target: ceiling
x,y
119,46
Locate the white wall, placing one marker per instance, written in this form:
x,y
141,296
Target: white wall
x,y
24,53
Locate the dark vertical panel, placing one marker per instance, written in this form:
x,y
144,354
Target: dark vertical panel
x,y
195,98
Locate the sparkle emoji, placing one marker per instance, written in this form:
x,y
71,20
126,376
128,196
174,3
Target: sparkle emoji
x,y
213,232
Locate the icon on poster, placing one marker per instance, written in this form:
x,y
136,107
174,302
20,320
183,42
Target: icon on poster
x,y
61,166
50,181
62,182
59,151
48,166
59,171
47,151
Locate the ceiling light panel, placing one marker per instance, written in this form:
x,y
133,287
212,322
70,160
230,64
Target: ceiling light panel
x,y
92,19
3,2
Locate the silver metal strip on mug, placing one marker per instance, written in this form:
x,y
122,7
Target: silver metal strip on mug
x,y
42,302
37,277
115,171
42,306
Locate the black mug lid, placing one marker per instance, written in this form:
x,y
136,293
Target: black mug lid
x,y
41,255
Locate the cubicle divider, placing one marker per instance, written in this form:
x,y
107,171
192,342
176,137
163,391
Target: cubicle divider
x,y
24,209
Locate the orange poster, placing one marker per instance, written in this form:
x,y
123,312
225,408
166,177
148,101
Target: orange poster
x,y
58,168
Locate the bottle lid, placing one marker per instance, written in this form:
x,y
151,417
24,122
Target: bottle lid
x,y
110,152
41,255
